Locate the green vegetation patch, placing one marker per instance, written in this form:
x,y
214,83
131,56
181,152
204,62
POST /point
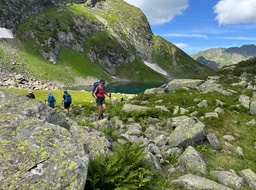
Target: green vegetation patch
x,y
176,62
138,71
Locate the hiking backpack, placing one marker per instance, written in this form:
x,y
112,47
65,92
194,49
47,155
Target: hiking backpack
x,y
51,99
94,87
67,98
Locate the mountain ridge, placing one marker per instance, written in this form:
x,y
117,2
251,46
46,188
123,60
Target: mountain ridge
x,y
225,56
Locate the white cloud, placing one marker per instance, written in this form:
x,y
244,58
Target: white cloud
x,y
235,11
160,11
185,35
5,33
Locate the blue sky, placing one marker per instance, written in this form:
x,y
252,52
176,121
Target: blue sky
x,y
197,25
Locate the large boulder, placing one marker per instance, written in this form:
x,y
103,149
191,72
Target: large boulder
x,y
181,83
213,86
37,151
250,177
229,178
193,161
188,131
15,12
95,143
190,181
245,101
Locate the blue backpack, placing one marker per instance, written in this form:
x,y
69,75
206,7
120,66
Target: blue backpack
x,y
94,87
67,98
51,99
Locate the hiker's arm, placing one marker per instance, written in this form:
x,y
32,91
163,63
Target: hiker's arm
x,y
108,94
94,93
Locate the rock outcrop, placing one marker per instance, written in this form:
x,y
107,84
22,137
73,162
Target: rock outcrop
x,y
14,12
190,181
37,149
188,131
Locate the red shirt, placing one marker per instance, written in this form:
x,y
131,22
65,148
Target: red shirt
x,y
101,91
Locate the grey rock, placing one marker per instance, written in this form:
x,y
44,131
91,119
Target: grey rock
x,y
213,86
219,103
253,104
94,142
229,137
131,108
161,140
191,182
219,110
38,150
211,115
250,177
239,151
228,144
192,161
229,178
154,160
155,91
251,123
159,101
176,110
163,108
213,140
203,104
183,111
134,130
188,131
175,152
245,101
180,83
194,113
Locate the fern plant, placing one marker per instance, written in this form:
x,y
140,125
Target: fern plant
x,y
126,168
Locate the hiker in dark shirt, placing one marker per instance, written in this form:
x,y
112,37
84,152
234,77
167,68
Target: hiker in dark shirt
x,y
50,100
30,94
67,100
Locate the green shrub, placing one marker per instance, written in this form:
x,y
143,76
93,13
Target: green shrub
x,y
126,168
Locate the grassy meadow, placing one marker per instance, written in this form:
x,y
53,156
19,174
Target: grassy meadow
x,y
78,97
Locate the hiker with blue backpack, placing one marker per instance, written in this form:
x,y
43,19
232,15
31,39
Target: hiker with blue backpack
x,y
67,100
99,93
50,100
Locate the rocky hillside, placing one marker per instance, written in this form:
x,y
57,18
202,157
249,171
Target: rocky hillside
x,y
188,134
225,56
79,43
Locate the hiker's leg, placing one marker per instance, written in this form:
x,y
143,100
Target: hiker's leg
x,y
68,106
104,108
99,111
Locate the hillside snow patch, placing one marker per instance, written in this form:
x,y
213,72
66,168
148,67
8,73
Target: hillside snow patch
x,y
156,68
5,33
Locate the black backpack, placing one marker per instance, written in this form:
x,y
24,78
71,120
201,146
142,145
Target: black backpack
x,y
94,87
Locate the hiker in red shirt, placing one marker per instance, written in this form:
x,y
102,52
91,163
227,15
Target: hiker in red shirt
x,y
99,95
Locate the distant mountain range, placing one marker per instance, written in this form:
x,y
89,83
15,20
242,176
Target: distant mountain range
x,y
219,57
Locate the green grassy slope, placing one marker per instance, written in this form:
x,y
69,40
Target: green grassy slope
x,y
248,66
176,62
124,22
